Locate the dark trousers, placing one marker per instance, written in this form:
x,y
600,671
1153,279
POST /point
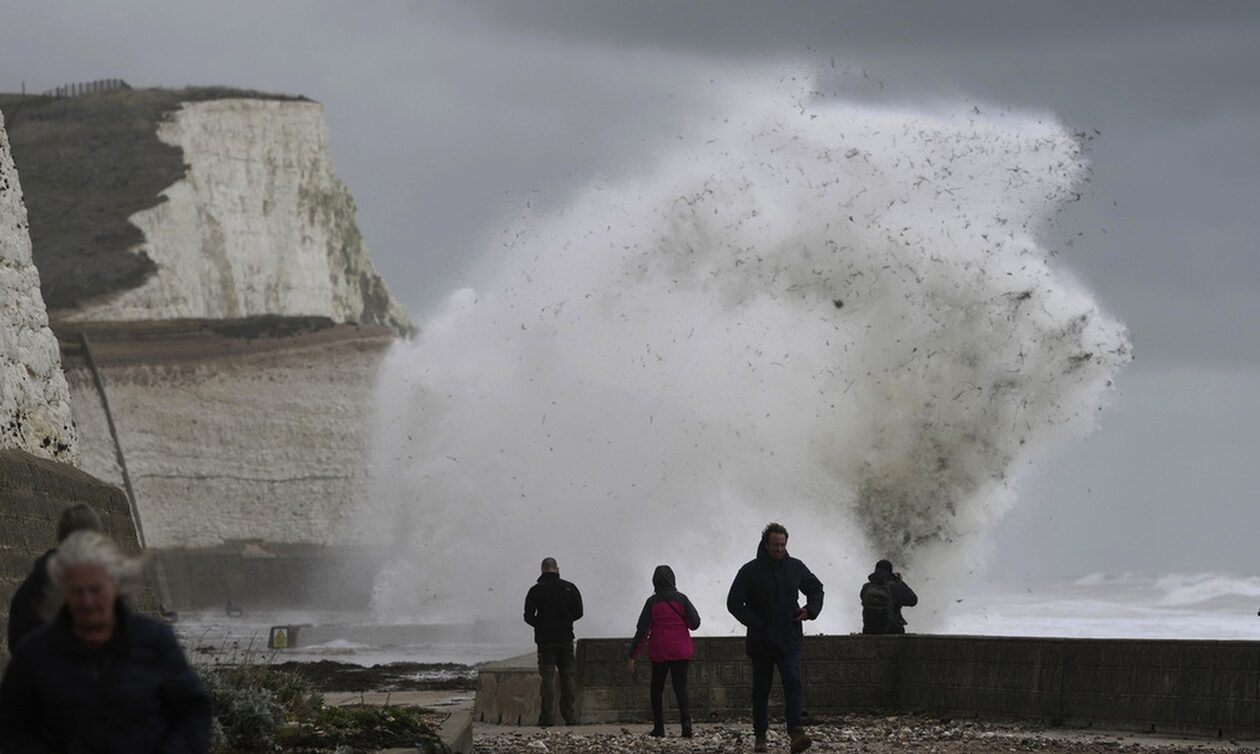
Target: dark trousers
x,y
677,670
789,664
553,658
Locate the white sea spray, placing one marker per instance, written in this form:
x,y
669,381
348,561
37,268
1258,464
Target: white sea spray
x,y
833,315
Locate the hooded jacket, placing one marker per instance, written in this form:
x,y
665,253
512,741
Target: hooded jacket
x,y
764,598
135,695
666,621
902,596
551,607
28,602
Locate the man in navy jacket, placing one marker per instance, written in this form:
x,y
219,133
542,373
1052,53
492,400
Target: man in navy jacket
x,y
551,607
763,597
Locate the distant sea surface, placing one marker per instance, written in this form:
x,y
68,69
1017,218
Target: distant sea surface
x,y
1177,606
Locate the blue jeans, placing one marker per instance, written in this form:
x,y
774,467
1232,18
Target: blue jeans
x,y
789,664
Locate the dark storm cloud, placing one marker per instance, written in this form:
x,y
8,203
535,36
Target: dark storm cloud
x,y
724,27
1170,85
473,106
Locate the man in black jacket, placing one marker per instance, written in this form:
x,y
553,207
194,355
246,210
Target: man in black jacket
x,y
883,595
551,607
764,598
30,601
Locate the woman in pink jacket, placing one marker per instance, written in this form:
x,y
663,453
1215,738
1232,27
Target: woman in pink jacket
x,y
666,623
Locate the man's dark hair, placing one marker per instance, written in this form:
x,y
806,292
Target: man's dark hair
x,y
77,517
549,565
884,565
773,528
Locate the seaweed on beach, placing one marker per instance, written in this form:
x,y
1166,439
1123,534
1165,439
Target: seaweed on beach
x,y
263,707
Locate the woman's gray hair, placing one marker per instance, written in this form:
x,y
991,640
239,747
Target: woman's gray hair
x,y
93,547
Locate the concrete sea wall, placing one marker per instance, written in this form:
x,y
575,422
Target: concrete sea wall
x,y
1207,688
263,576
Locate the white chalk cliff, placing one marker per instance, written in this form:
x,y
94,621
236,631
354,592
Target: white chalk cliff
x,y
260,224
34,400
263,438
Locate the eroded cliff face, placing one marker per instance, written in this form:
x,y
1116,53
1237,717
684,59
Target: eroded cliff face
x,y
239,366
233,437
34,400
259,225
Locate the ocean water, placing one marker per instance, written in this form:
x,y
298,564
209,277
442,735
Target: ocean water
x,y
839,316
1137,606
1175,606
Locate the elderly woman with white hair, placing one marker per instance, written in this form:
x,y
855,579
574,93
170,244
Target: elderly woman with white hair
x,y
100,678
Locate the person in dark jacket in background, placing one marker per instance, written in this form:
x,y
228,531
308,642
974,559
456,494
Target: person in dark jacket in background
x,y
763,597
883,595
551,607
100,678
31,606
666,623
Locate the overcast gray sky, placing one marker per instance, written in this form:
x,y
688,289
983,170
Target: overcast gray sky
x,y
445,116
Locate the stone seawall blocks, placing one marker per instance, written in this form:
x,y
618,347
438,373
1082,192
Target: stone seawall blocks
x,y
507,692
1197,687
838,673
1202,687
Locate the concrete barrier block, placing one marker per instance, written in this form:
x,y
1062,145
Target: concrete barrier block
x,y
457,732
844,648
605,674
603,650
890,647
1192,712
736,674
601,699
1250,683
1117,683
837,672
729,649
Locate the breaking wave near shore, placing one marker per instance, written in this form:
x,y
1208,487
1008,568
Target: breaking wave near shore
x,y
834,315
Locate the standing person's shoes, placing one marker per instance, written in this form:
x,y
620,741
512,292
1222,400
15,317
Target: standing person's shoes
x,y
657,732
800,740
760,744
686,729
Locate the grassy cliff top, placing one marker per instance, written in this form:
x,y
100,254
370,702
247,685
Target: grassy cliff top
x,y
88,163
